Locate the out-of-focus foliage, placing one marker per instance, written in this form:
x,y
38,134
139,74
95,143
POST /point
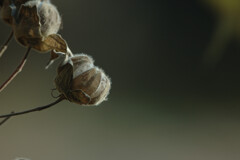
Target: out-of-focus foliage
x,y
225,7
228,12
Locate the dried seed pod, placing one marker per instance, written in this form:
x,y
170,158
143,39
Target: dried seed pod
x,y
36,22
82,82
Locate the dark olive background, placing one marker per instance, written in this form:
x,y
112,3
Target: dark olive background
x,y
164,102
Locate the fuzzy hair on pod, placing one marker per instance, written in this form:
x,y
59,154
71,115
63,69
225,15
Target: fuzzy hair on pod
x,y
49,16
81,82
35,21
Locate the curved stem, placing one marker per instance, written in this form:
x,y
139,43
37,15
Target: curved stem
x,y
5,45
34,109
18,70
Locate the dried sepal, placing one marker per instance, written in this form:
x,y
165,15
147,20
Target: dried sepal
x,y
54,41
81,82
27,28
60,48
54,55
63,82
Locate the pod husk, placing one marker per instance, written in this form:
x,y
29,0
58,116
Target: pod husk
x,y
88,88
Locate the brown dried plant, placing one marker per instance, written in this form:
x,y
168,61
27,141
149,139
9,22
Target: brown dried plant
x,y
35,24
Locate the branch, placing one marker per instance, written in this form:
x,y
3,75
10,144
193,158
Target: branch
x,y
34,109
18,70
5,45
5,119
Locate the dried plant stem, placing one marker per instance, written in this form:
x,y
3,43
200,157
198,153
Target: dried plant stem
x,y
5,119
7,116
5,45
18,70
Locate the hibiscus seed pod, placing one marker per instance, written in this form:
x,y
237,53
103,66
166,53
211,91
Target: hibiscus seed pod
x,y
36,20
82,82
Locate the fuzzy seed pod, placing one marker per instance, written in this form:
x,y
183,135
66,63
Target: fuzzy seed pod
x,y
36,21
82,82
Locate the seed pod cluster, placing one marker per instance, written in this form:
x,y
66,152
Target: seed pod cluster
x,y
35,24
82,82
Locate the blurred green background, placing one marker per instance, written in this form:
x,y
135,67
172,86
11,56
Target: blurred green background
x,y
175,85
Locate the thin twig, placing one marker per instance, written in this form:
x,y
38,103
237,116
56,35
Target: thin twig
x,y
5,45
18,70
5,119
34,109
